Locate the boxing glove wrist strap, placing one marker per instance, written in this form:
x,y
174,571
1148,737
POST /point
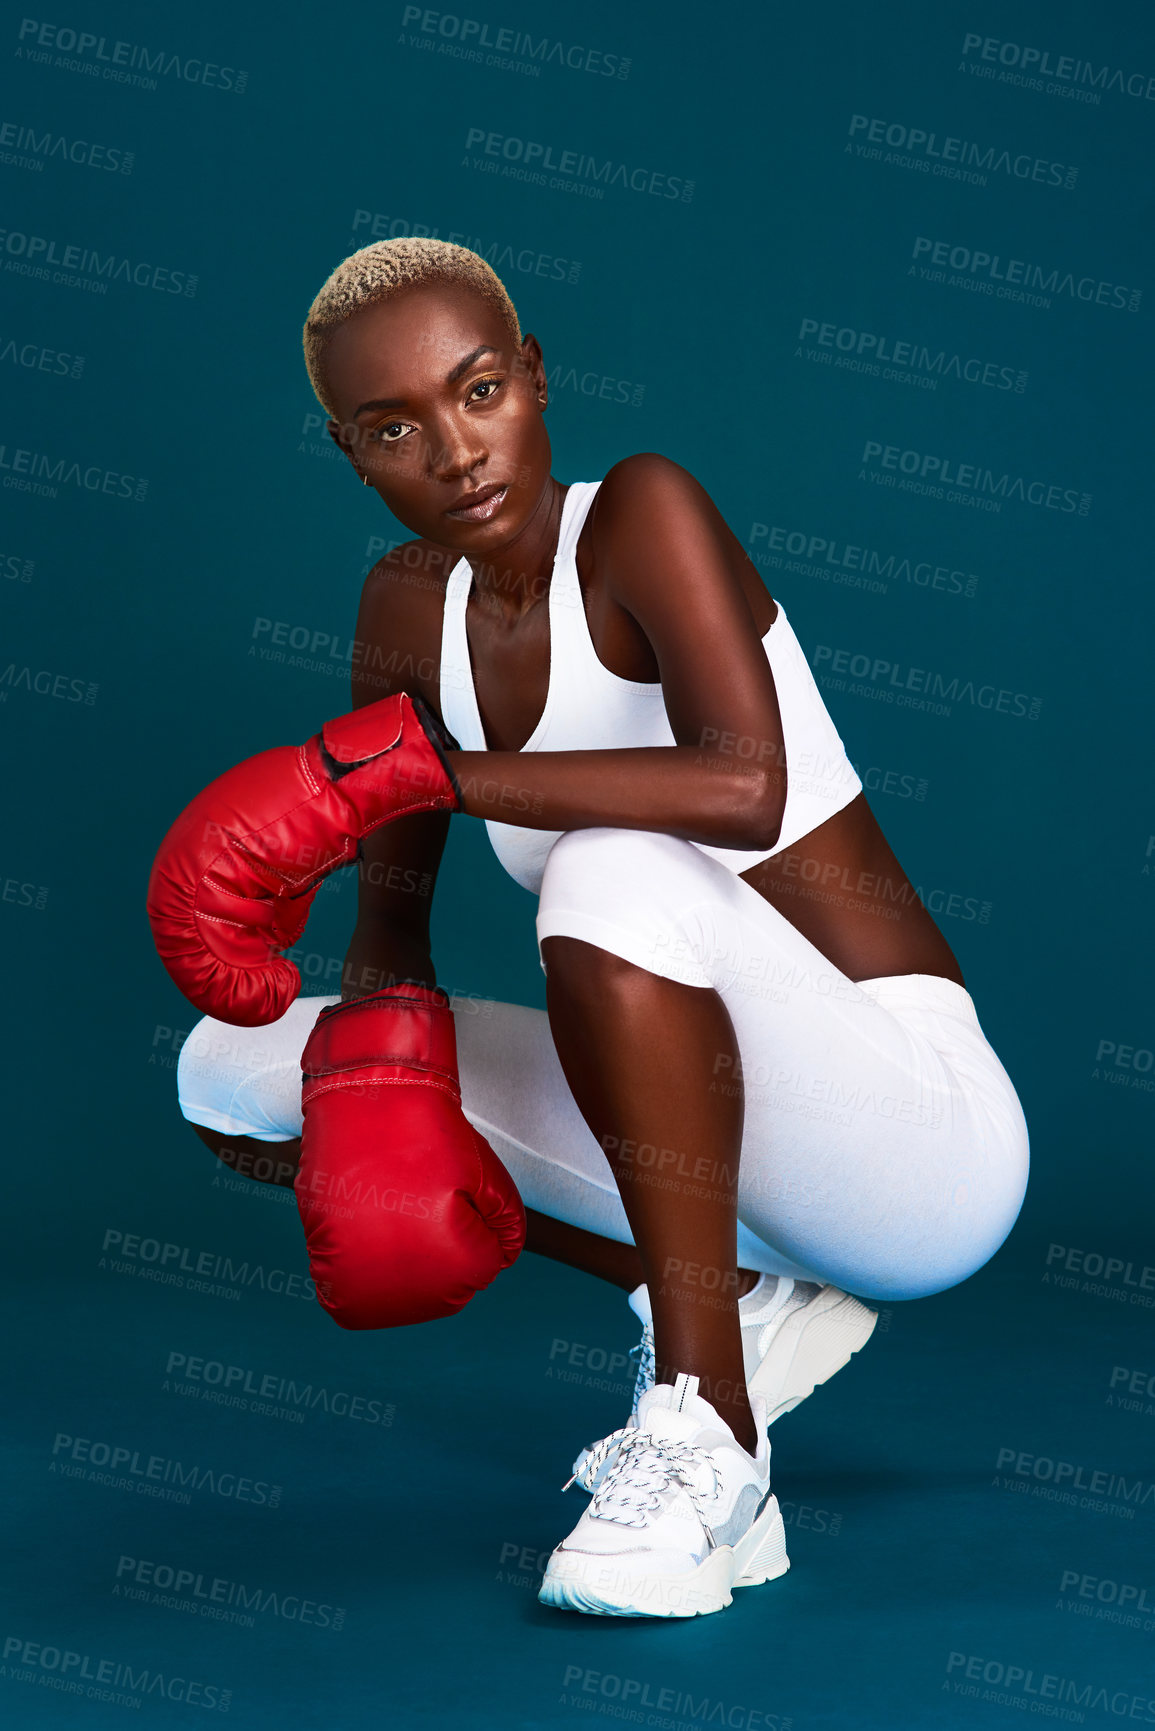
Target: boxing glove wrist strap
x,y
349,741
404,1026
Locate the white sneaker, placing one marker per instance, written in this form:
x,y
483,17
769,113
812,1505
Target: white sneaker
x,y
795,1335
682,1517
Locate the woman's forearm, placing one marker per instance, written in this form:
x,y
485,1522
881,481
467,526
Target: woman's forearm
x,y
380,954
678,790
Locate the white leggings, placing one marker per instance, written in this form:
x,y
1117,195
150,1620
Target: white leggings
x,y
884,1149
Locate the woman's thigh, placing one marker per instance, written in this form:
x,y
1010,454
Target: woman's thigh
x,y
883,1145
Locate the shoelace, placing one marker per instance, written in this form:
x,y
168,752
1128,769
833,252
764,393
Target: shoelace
x,y
592,1459
645,1468
789,1295
647,1366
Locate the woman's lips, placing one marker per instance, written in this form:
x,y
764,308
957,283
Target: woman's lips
x,y
482,512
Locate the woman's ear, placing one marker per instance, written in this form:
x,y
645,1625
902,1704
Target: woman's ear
x,y
528,362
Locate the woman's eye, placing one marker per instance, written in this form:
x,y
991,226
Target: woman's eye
x,y
494,386
381,434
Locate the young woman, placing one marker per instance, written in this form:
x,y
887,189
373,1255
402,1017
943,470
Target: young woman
x,y
760,1083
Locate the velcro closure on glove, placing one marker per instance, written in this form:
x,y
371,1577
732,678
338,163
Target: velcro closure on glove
x,y
366,732
404,1027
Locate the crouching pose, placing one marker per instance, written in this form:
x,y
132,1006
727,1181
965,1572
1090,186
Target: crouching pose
x,y
760,1085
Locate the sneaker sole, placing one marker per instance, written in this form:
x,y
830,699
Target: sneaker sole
x,y
593,1585
810,1346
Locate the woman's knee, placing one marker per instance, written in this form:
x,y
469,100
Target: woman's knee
x,y
207,1049
648,899
247,1081
923,1262
214,1061
983,1215
593,868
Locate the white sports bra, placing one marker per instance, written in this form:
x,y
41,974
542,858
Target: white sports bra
x,y
588,708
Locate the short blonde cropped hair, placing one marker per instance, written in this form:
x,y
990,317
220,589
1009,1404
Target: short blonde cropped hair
x,y
376,272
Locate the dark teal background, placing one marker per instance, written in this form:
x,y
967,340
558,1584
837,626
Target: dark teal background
x,y
143,616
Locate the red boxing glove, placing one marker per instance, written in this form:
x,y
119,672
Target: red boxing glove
x,y
407,1210
234,879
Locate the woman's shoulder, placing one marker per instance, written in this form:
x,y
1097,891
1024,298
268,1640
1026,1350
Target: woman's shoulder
x,y
648,477
398,636
648,492
406,588
647,488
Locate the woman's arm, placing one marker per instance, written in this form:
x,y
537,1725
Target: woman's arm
x,y
668,559
698,795
396,873
397,864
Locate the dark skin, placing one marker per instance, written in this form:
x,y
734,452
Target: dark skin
x,y
434,401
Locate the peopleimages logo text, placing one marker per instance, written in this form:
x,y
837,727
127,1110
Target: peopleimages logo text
x,y
119,60
1098,1481
158,1470
918,687
1023,1682
53,471
811,553
239,1381
974,478
36,253
946,151
1063,67
909,352
992,266
218,1595
536,158
35,148
101,1679
545,50
169,1263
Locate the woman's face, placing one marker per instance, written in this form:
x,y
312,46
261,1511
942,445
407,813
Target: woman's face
x,y
435,403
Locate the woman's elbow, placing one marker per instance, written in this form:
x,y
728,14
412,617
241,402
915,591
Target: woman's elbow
x,y
760,804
